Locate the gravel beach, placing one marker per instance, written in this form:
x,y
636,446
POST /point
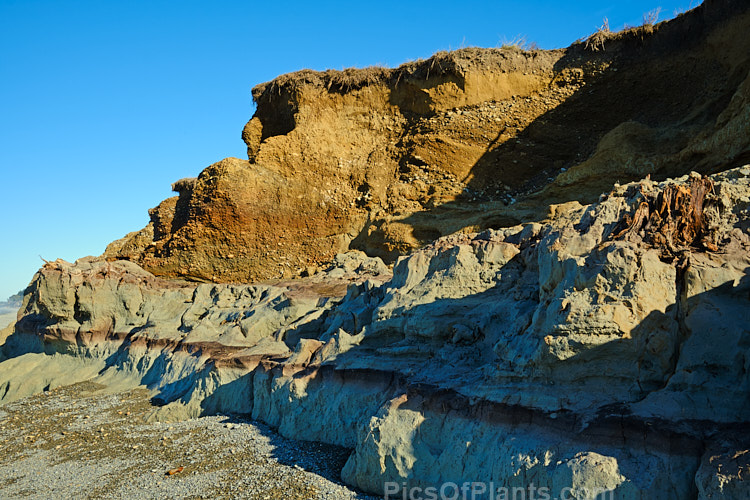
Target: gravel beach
x,y
80,442
7,317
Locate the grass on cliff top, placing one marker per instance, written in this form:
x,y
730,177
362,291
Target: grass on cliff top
x,y
595,41
443,62
452,62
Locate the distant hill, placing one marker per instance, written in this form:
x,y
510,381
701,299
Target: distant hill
x,y
12,304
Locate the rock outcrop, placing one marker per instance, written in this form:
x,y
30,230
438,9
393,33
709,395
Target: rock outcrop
x,y
387,160
538,327
589,351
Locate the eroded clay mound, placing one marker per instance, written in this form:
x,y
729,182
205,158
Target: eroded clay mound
x,y
606,347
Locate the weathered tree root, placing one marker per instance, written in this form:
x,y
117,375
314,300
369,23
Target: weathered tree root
x,y
672,221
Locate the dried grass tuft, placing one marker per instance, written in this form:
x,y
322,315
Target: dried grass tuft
x,y
651,17
595,41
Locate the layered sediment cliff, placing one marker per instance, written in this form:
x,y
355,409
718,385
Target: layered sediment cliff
x,y
545,321
386,160
607,347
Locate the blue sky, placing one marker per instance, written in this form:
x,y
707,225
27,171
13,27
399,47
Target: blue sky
x,y
103,104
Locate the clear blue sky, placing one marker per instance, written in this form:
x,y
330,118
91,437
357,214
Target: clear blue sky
x,y
103,104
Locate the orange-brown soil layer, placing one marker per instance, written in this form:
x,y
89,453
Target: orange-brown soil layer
x,y
386,160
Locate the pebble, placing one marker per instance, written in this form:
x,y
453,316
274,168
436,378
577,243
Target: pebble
x,y
252,461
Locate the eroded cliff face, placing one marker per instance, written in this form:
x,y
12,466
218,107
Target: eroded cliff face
x,y
387,160
550,329
605,348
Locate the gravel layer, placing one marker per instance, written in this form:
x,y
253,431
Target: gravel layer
x,y
79,442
